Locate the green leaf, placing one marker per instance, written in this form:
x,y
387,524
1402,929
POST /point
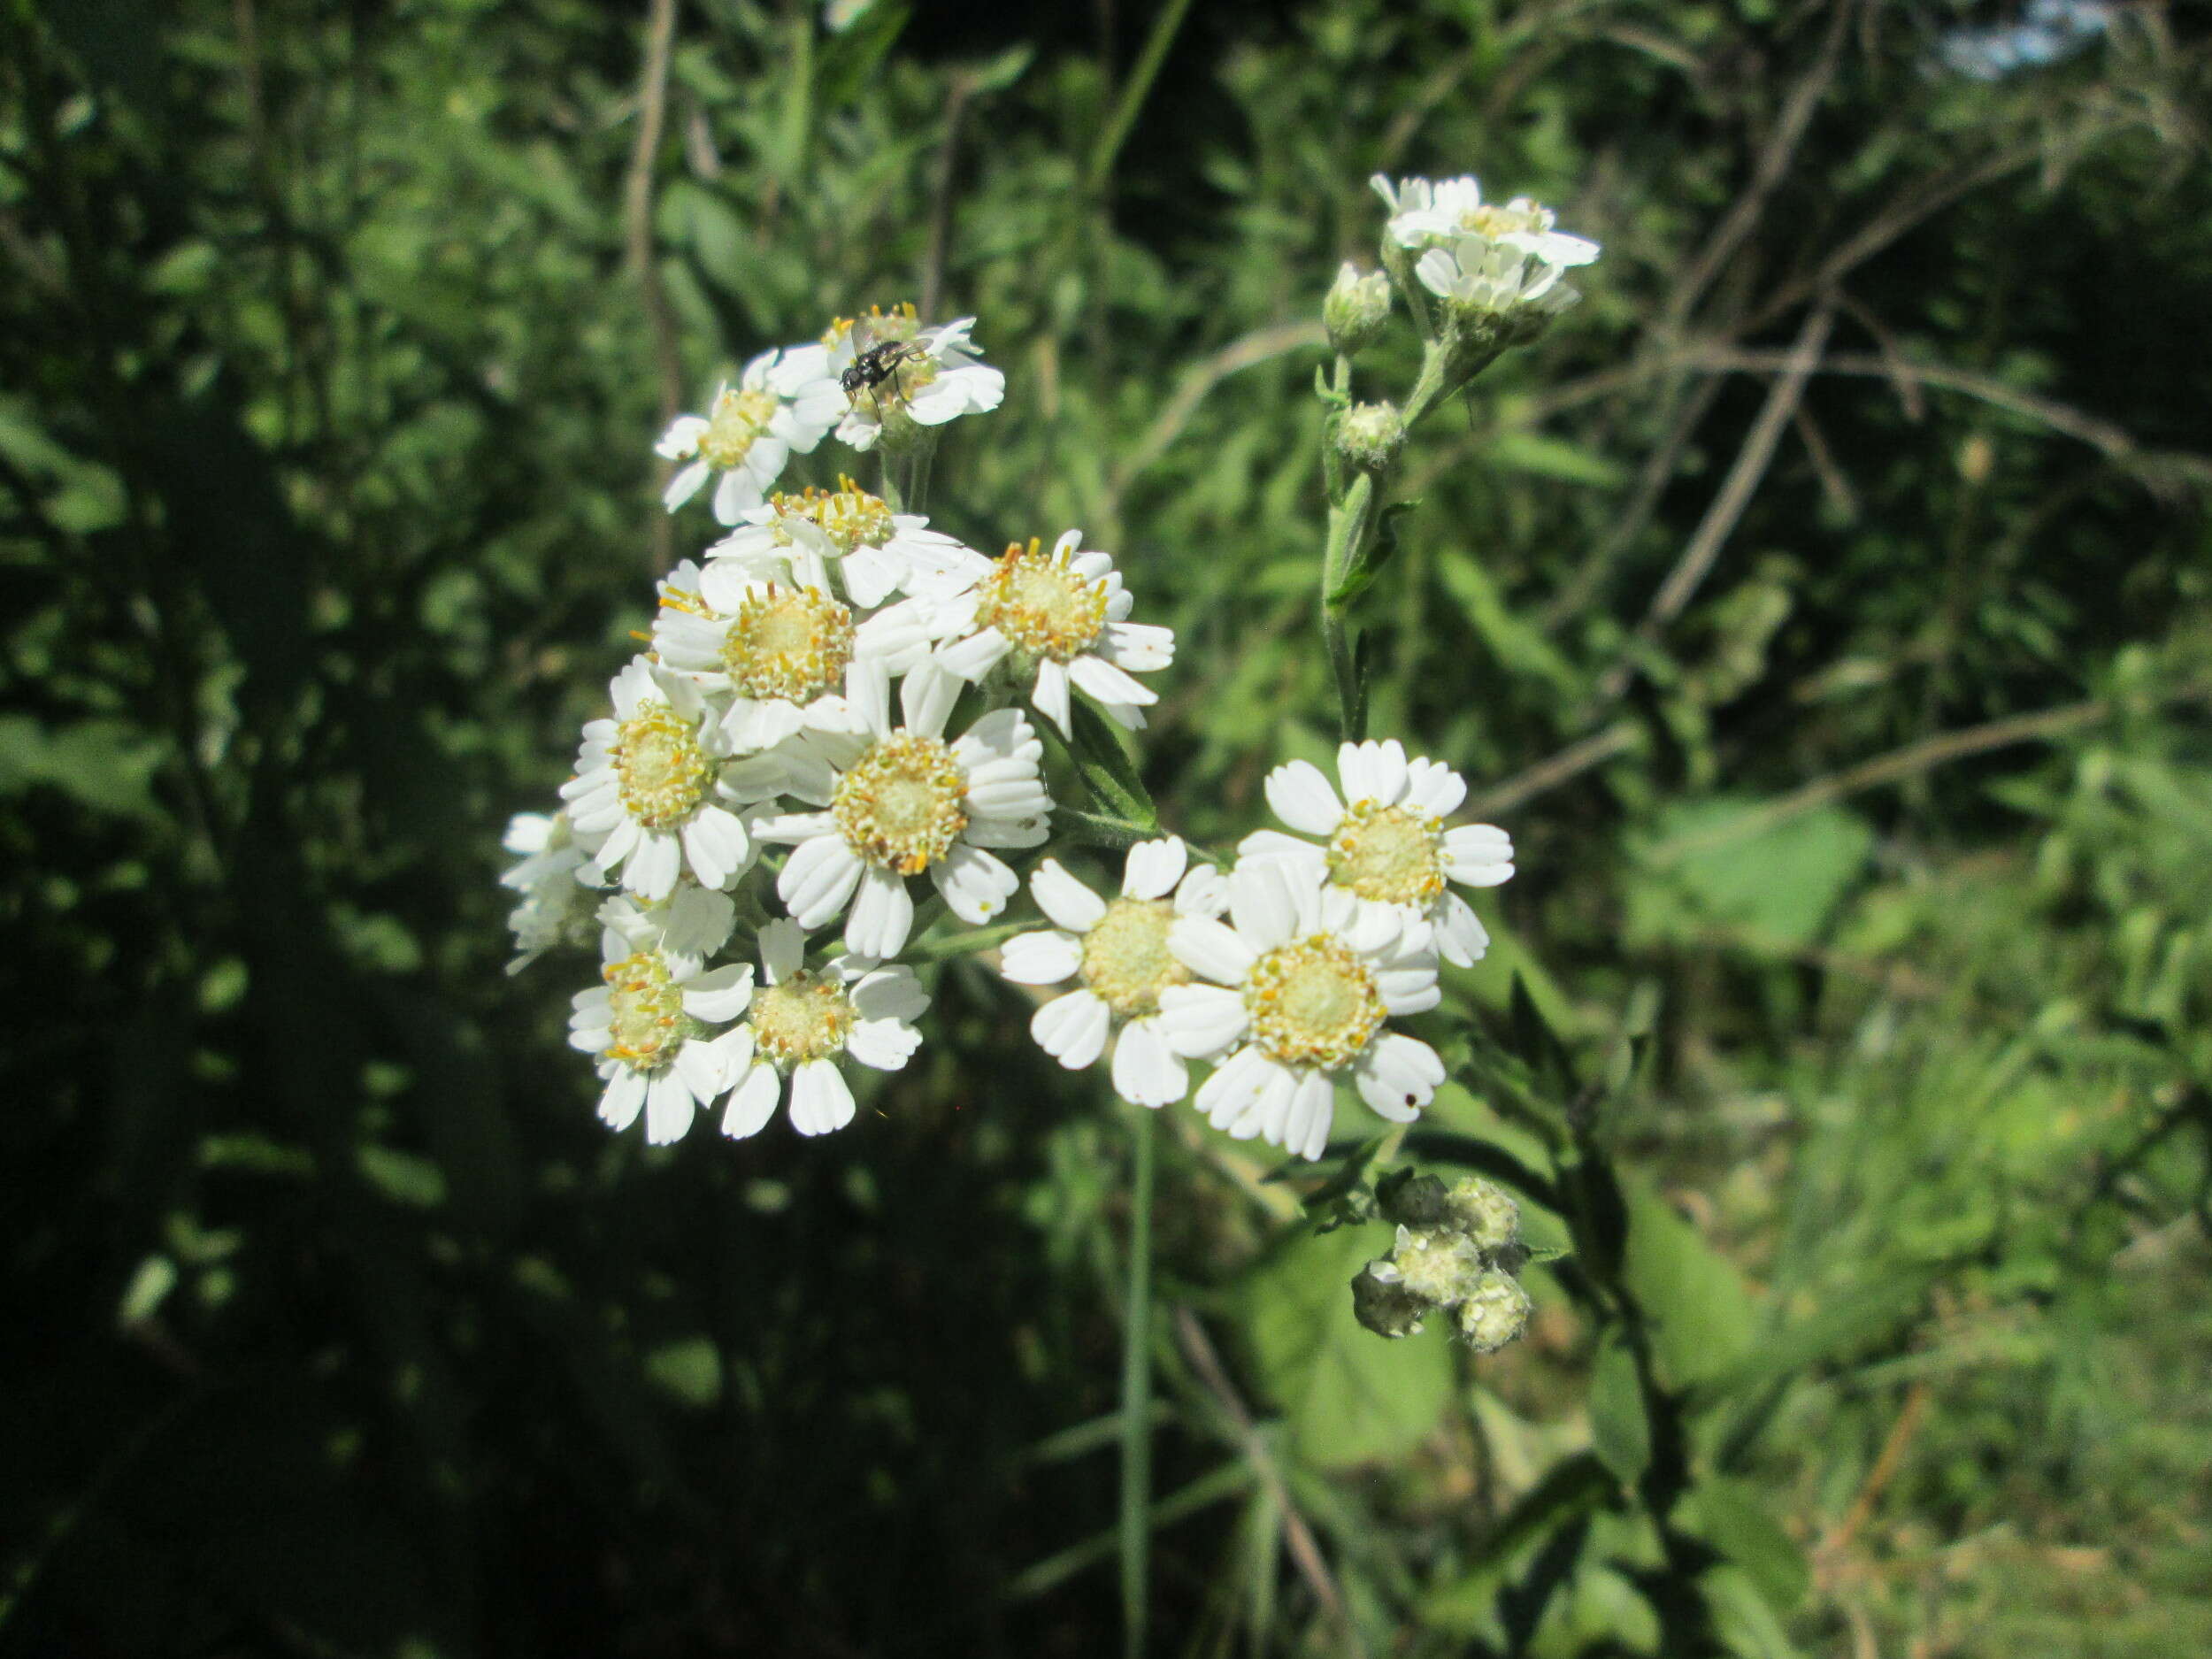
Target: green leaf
x,y
1618,1427
1772,889
1526,451
1104,765
1701,1314
1350,1396
1728,1515
689,1368
1747,1626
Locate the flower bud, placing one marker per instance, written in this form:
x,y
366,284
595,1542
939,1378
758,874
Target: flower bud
x,y
1480,1210
1438,1267
1368,435
1494,1312
1355,308
1383,1304
1413,1200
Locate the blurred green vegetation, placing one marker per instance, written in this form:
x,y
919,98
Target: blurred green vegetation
x,y
1852,726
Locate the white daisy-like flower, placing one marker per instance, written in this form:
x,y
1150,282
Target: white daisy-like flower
x,y
686,929
902,802
774,655
654,786
1302,987
1385,842
549,875
1425,214
747,432
1485,256
876,552
803,1023
908,375
1116,952
1062,617
651,1025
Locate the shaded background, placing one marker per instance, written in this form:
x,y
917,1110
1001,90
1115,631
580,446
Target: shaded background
x,y
1823,606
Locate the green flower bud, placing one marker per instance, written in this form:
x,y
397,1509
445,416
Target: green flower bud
x,y
1369,435
1355,309
1494,1312
1413,1200
1382,1303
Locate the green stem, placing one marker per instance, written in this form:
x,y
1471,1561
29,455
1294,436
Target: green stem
x,y
1134,94
1349,523
1136,1394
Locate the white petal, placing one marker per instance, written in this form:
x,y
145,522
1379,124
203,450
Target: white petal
x,y
752,1102
1211,948
1267,1113
700,1063
1311,1113
1203,892
1238,1085
882,915
668,1108
817,879
884,1044
1072,1029
821,1100
795,826
1099,678
1065,900
782,948
1040,958
1397,1076
1433,788
685,485
653,868
1266,845
1263,901
1460,933
1136,646
1372,771
976,656
1478,855
721,995
1147,1072
1000,735
1050,695
1200,1020
622,1099
926,698
891,993
869,577
1300,796
976,885
1153,868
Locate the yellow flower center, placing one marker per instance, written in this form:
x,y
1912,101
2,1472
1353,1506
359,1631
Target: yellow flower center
x,y
1126,957
736,421
647,1023
1493,220
662,770
901,322
1313,1002
900,806
848,515
1387,853
1042,604
789,643
801,1019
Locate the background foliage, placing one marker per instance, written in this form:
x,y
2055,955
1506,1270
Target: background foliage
x,y
1823,606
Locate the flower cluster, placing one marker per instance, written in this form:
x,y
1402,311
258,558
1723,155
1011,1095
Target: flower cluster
x,y
837,729
1457,1251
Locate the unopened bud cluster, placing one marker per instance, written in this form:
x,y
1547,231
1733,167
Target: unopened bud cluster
x,y
1369,435
1457,1250
1355,308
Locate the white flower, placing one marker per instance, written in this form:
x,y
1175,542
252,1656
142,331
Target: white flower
x,y
549,875
1062,615
747,432
875,552
915,376
650,1024
774,654
1388,847
1117,953
803,1023
686,929
650,783
1482,254
1302,985
901,800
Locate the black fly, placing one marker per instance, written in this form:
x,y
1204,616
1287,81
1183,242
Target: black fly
x,y
877,364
